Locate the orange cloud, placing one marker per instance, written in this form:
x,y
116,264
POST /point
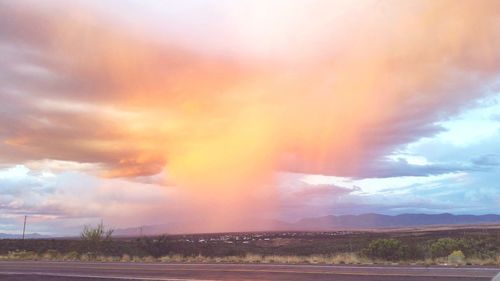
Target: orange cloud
x,y
220,126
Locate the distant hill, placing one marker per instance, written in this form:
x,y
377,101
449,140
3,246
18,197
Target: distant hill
x,y
19,236
192,227
342,222
386,221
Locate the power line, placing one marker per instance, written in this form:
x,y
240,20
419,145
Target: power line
x,y
24,226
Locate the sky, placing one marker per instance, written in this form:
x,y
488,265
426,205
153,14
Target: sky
x,y
226,115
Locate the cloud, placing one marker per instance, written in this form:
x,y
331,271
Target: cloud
x,y
488,160
295,90
322,190
316,191
389,97
495,117
67,200
401,168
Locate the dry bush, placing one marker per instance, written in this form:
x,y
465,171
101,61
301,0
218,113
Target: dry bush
x,y
96,239
20,255
347,258
252,258
102,258
172,258
136,259
125,258
71,256
483,261
51,255
149,259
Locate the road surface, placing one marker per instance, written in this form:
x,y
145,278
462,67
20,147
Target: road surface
x,y
83,271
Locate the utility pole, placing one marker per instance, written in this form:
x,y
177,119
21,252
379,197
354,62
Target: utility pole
x,y
24,226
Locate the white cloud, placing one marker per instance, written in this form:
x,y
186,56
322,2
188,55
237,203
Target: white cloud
x,y
67,200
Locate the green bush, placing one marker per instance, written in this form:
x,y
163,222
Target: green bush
x,y
445,246
387,249
457,257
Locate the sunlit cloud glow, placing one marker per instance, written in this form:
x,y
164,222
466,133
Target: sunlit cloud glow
x,y
219,100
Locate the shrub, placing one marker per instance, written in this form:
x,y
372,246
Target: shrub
x,y
345,258
457,257
387,249
155,247
51,255
149,259
22,255
126,258
71,256
444,246
95,238
172,258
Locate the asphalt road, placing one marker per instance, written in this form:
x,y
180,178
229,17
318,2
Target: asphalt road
x,y
75,271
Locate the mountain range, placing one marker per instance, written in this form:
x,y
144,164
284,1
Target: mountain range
x,y
387,221
19,236
333,222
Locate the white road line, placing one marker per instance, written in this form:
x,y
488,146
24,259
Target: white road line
x,y
496,278
100,276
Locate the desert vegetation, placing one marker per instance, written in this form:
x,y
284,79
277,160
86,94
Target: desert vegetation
x,y
451,247
95,240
